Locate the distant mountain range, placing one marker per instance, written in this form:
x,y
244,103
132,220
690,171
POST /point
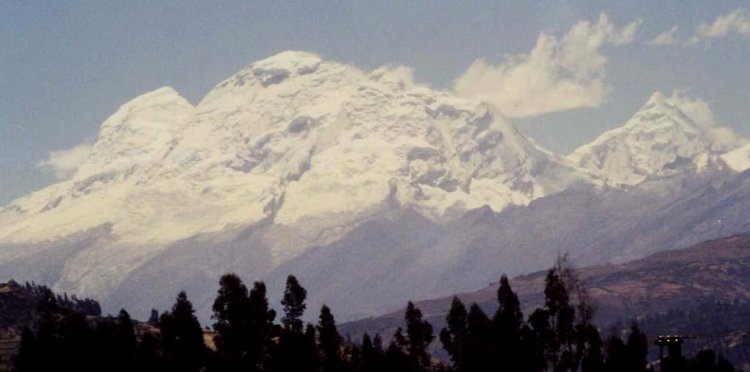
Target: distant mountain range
x,y
713,271
370,188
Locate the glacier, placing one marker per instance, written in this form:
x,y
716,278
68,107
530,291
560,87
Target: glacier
x,y
305,147
368,186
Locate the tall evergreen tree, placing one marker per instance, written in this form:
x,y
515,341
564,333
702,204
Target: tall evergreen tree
x,y
617,357
452,337
260,326
125,341
561,353
292,353
396,356
232,324
636,349
478,352
182,337
507,327
419,334
330,341
592,359
294,305
373,356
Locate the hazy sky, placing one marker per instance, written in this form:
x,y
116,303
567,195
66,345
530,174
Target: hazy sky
x,y
564,71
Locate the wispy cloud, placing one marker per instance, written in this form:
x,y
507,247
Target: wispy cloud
x,y
666,37
64,163
734,23
557,74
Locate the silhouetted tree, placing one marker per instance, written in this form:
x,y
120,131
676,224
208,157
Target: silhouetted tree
x,y
148,356
396,357
636,349
452,337
294,305
373,356
616,354
592,359
75,344
292,351
153,319
419,336
477,349
260,326
507,327
27,359
232,324
182,337
330,341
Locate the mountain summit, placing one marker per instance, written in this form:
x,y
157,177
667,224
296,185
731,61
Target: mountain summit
x,y
667,135
303,148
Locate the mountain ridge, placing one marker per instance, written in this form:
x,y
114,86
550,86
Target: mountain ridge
x,y
296,164
312,146
666,135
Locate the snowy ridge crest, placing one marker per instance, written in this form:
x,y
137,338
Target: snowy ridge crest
x,y
667,135
305,145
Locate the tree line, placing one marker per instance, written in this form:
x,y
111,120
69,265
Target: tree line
x,y
559,336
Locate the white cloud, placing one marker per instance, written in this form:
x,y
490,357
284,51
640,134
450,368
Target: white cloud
x,y
558,74
737,22
665,38
722,138
64,163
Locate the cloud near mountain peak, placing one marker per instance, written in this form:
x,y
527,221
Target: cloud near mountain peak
x,y
559,73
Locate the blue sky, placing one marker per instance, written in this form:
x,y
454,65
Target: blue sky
x,y
66,66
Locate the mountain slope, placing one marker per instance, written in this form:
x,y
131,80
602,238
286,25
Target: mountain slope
x,y
717,270
295,148
667,136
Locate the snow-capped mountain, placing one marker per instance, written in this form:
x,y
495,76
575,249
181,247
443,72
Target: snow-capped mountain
x,y
668,135
739,159
372,189
304,147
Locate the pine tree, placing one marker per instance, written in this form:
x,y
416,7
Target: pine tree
x,y
617,358
453,336
561,353
294,305
330,341
260,326
419,335
292,351
636,349
372,353
232,324
478,351
126,342
507,327
182,337
593,357
396,356
310,357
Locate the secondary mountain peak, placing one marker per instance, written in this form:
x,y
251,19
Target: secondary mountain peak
x,y
667,135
